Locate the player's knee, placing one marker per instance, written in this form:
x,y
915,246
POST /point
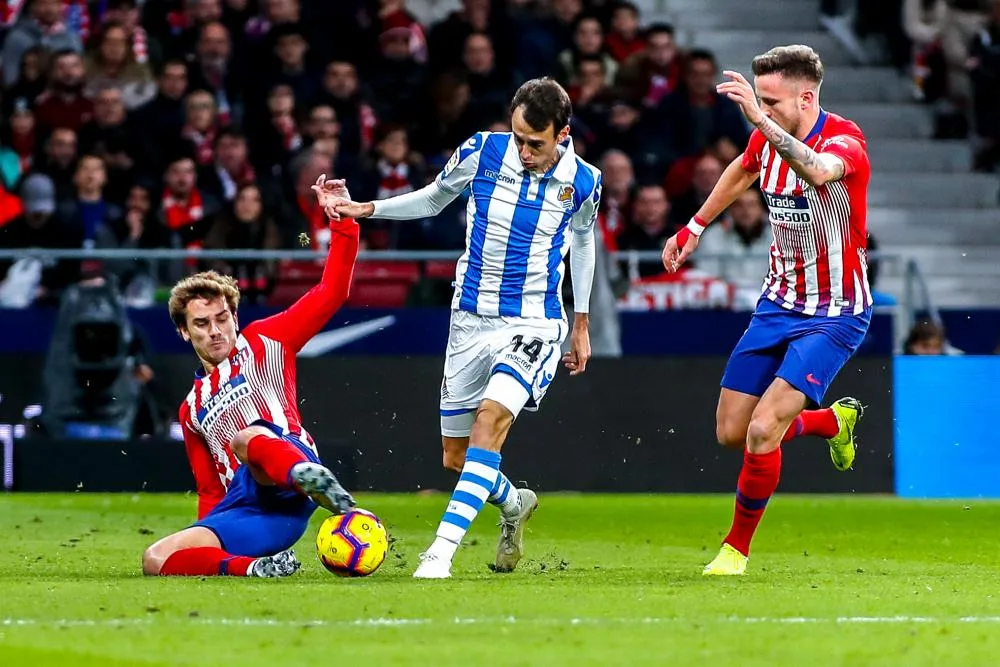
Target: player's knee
x,y
729,437
762,430
152,561
241,441
493,419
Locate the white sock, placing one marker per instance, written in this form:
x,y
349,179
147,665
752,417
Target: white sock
x,y
443,549
506,497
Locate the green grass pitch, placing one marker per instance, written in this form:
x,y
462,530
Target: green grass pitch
x,y
607,580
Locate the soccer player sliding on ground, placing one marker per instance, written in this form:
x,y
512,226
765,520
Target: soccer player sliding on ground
x,y
816,304
257,471
532,198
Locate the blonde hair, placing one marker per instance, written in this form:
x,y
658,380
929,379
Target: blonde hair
x,y
205,285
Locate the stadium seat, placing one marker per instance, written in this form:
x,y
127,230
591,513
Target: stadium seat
x,y
383,284
440,270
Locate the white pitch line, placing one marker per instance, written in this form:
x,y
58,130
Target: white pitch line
x,y
398,622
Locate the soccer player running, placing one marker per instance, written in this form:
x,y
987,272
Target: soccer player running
x,y
257,471
531,198
816,303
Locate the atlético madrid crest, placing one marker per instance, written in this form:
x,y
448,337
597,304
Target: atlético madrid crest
x,y
565,196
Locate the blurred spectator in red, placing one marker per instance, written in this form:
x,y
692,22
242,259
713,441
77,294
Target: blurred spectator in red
x,y
624,38
144,48
706,173
63,103
649,75
649,229
689,120
201,124
42,25
183,214
616,198
394,172
356,118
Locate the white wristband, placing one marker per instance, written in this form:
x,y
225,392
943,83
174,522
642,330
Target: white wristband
x,y
696,227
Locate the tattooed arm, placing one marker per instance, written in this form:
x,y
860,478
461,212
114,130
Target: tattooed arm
x,y
814,168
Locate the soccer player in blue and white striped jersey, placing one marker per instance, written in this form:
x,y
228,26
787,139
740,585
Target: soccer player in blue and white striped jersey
x,y
532,199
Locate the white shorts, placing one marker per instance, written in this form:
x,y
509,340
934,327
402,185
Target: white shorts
x,y
510,360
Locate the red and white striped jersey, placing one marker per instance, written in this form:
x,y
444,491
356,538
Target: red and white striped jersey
x,y
819,260
257,381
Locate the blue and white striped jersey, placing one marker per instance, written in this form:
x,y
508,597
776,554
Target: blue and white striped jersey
x,y
518,225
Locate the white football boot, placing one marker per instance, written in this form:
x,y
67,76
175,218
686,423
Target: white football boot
x,y
281,564
510,546
432,566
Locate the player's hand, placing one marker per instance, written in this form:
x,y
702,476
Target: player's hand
x,y
329,193
673,256
739,90
579,349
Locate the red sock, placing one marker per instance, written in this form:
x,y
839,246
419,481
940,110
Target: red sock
x,y
758,480
205,562
813,422
275,457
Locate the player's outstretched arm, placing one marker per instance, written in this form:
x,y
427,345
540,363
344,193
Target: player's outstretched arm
x,y
207,483
426,202
429,200
733,182
307,316
814,168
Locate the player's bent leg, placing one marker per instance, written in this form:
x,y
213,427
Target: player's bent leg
x,y
479,479
287,464
732,417
760,474
157,553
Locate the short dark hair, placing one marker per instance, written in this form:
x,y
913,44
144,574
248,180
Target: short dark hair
x,y
660,28
544,102
796,61
701,54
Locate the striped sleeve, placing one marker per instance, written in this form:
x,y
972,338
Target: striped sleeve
x,y
462,166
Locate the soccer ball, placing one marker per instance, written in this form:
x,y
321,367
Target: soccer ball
x,y
352,544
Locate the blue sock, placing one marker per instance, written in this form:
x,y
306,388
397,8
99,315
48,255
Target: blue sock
x,y
476,483
506,497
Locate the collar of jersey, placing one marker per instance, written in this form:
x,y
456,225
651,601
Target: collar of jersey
x,y
818,127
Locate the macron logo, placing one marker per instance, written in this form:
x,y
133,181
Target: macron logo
x,y
497,176
327,341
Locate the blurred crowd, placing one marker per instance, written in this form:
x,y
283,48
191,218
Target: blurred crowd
x,y
202,124
951,49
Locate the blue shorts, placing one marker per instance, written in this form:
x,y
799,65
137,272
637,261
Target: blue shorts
x,y
807,351
256,520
